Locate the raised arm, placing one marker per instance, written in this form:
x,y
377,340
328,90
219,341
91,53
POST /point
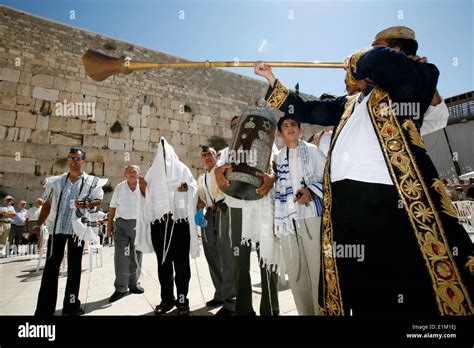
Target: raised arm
x,y
402,77
324,113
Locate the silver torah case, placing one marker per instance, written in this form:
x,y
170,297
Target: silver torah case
x,y
250,152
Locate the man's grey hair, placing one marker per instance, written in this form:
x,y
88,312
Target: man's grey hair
x,y
132,166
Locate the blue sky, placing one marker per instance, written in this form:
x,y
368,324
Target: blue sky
x,y
280,30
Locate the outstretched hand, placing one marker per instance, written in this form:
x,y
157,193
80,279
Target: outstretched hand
x,y
260,68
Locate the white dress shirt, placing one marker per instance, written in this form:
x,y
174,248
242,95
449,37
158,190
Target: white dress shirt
x,y
325,142
357,154
125,201
33,213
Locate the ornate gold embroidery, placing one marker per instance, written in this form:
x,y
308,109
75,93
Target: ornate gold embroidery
x,y
400,160
433,247
446,202
353,66
453,298
451,295
470,264
415,136
411,188
278,96
421,212
332,297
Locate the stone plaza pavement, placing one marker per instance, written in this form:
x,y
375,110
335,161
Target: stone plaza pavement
x,y
20,285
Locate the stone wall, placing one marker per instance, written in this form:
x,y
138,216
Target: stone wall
x,y
40,66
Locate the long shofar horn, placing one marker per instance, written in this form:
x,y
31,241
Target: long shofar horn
x,y
99,66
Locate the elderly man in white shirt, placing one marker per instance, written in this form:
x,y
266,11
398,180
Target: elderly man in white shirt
x,y
121,225
32,217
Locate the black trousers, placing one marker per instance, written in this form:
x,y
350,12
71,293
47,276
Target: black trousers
x,y
240,258
177,257
390,276
49,282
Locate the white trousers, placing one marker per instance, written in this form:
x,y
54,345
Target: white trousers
x,y
302,253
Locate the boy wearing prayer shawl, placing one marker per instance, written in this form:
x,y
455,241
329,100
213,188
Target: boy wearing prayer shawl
x,y
165,225
298,208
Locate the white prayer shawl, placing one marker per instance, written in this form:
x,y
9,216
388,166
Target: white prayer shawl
x,y
81,218
164,177
257,222
53,186
286,210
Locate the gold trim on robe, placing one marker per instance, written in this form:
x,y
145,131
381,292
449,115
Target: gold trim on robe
x,y
332,296
452,297
278,95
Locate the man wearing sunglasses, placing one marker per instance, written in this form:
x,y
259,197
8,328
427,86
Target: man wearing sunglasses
x,y
62,196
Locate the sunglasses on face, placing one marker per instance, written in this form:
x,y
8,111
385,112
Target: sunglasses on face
x,y
74,158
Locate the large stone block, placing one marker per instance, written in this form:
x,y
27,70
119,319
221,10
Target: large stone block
x,y
8,88
206,120
7,74
177,105
24,90
174,125
152,122
145,110
42,80
17,164
42,122
65,139
110,116
135,134
88,89
40,136
45,93
114,105
87,127
140,145
109,93
94,141
73,86
57,123
59,83
145,134
7,117
119,144
73,126
163,124
134,120
25,120
101,128
99,115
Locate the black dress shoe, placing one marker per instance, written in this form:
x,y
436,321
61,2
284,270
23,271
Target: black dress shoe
x,y
73,312
163,308
224,312
214,303
117,295
137,289
183,311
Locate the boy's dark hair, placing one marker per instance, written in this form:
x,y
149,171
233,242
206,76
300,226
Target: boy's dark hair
x,y
78,149
283,119
407,46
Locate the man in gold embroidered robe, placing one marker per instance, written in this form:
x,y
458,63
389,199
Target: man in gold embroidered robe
x,y
391,241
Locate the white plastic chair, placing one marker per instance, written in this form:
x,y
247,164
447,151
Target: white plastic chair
x,y
91,247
